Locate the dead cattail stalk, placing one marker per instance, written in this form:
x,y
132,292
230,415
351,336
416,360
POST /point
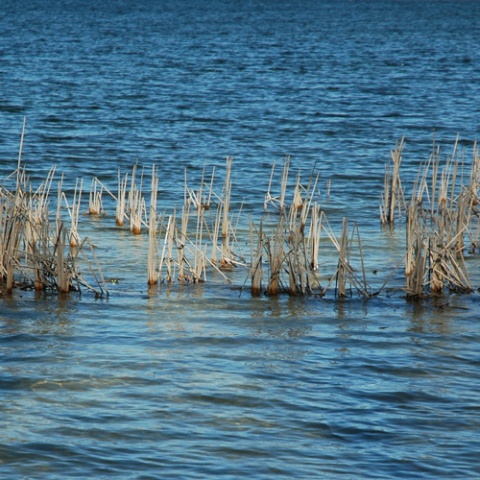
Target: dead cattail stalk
x,y
297,196
152,232
275,251
95,198
296,258
279,200
74,213
283,188
95,272
415,259
20,172
63,277
225,211
315,235
268,196
13,231
256,271
216,232
121,200
137,207
342,261
393,195
182,241
167,250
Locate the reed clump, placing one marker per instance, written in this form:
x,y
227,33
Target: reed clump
x,y
290,251
95,198
438,218
37,250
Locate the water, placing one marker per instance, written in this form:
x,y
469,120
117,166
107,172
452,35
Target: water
x,y
204,381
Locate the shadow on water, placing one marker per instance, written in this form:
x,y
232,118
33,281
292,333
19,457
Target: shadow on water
x,y
40,314
437,315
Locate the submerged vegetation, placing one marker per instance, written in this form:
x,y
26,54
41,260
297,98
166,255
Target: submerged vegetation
x,y
291,246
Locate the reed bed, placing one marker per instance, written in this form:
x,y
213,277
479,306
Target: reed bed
x,y
438,218
37,250
294,250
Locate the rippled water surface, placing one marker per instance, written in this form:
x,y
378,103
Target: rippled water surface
x,y
204,381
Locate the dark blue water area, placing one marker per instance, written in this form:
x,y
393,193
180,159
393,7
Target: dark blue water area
x,y
331,83
205,381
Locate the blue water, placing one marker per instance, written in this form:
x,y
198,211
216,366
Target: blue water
x,y
204,381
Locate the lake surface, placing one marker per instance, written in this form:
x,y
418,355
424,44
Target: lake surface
x,y
206,381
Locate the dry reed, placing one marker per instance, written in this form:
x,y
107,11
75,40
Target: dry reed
x,y
95,198
392,197
152,232
256,272
33,252
38,250
227,191
437,219
121,200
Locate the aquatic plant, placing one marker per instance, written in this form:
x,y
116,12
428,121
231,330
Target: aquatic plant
x,y
95,198
294,250
33,244
392,196
438,217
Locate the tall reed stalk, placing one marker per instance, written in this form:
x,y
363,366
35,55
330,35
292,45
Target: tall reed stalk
x,y
256,271
341,282
74,213
95,198
275,252
152,232
121,200
393,194
183,239
227,190
280,199
136,203
315,236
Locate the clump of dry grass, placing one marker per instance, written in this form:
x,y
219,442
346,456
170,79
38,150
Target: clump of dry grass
x,y
291,250
438,218
36,249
